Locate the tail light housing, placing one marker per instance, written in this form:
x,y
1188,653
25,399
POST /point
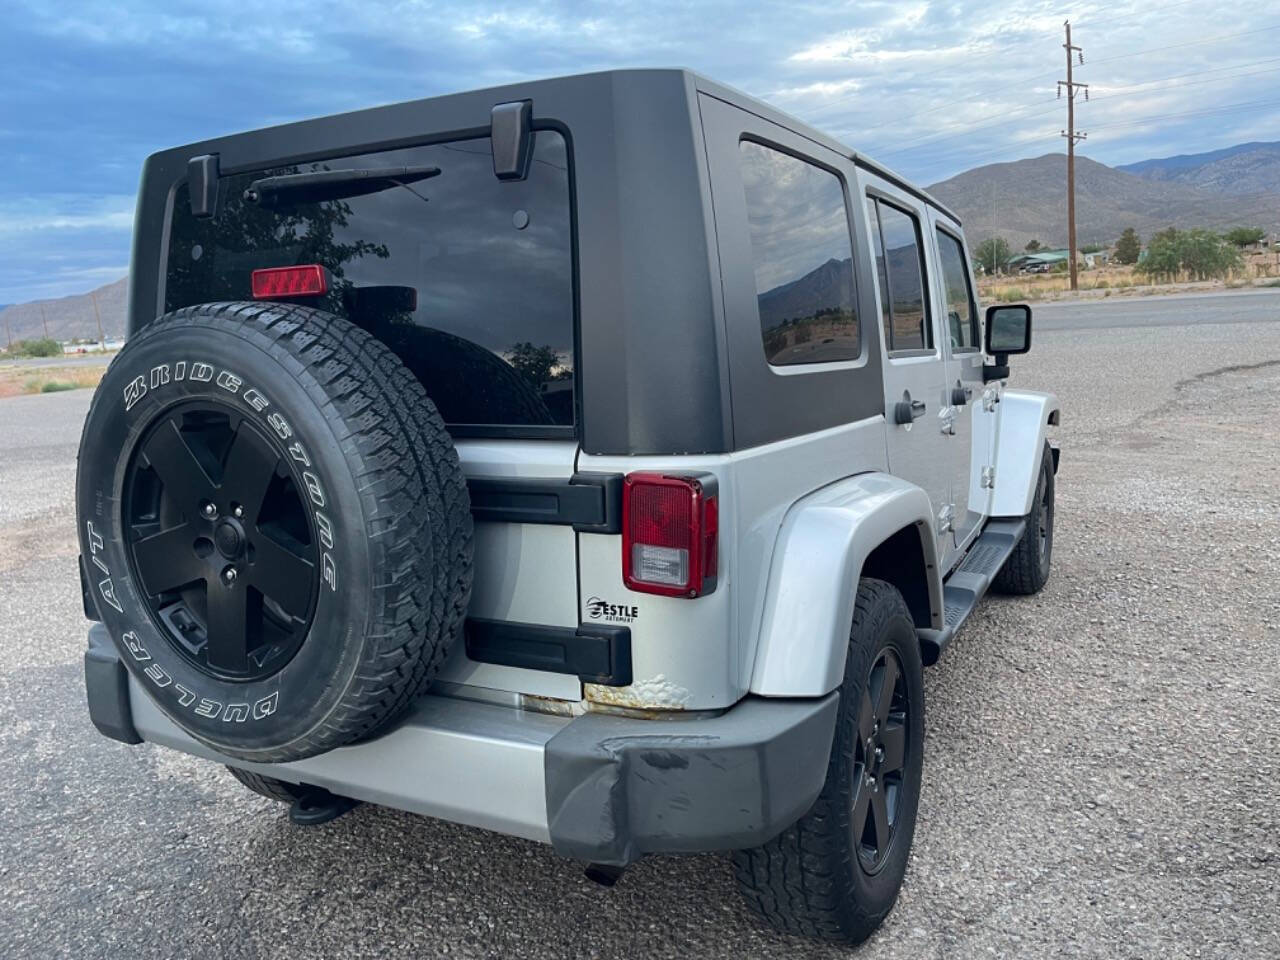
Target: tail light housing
x,y
281,283
670,534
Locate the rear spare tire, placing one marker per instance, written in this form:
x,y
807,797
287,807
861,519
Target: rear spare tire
x,y
277,527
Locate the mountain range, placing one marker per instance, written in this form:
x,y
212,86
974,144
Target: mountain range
x,y
1026,200
69,318
1020,201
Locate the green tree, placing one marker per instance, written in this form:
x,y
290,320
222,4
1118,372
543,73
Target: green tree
x,y
1244,236
1200,254
1129,246
535,364
1032,246
1092,248
42,347
993,254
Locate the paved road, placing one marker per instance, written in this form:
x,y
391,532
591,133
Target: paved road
x,y
1165,310
63,360
1102,771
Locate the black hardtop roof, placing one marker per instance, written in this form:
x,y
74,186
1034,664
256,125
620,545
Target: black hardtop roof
x,y
529,89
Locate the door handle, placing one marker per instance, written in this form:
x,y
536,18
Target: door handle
x,y
906,410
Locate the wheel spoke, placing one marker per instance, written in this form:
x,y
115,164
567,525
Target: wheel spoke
x,y
281,574
880,814
893,738
227,629
861,809
884,696
866,717
250,465
183,476
166,560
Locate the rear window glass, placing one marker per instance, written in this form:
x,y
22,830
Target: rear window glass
x,y
468,278
803,258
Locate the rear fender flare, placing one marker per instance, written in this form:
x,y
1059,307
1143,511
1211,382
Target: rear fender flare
x,y
820,551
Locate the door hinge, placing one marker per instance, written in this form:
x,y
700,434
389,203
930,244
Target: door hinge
x,y
990,397
946,518
988,480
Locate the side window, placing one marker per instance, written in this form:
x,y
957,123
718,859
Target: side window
x,y
962,312
803,258
904,308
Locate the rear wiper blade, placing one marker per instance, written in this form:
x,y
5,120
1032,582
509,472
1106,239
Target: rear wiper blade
x,y
332,184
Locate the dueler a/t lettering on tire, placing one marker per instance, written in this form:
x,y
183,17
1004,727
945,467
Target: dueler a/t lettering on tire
x,y
275,527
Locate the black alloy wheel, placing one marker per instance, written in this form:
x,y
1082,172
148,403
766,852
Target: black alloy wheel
x,y
880,759
219,538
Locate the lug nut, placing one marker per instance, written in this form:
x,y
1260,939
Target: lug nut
x,y
210,511
229,575
238,511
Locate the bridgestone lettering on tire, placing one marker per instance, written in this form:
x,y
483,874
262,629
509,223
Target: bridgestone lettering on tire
x,y
276,525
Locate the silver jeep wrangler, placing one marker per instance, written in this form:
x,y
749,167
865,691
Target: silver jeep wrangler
x,y
595,460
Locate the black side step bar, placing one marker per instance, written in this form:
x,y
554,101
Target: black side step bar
x,y
969,582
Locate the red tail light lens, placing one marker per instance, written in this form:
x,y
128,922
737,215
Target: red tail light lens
x,y
670,529
274,283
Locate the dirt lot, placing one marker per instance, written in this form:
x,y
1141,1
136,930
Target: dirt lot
x,y
1102,769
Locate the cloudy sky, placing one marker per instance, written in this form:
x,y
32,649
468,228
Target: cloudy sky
x,y
930,88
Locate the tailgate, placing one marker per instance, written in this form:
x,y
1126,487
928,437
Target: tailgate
x,y
524,572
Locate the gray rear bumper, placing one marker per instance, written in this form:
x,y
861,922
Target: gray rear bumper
x,y
597,787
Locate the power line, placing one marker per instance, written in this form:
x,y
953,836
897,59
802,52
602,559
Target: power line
x,y
1015,115
1224,108
1189,43
1024,78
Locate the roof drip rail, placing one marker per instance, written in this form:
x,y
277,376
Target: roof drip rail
x,y
202,185
511,133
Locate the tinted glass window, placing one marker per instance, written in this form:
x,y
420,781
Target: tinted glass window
x,y
803,258
962,312
904,309
468,278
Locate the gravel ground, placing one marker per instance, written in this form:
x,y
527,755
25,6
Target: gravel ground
x,y
1102,762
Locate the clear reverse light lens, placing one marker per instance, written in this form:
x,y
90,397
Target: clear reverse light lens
x,y
665,565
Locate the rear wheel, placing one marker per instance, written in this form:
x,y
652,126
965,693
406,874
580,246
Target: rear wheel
x,y
836,873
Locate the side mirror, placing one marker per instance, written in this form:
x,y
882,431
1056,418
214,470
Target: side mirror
x,y
1008,330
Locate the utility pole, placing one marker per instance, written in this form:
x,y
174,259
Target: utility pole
x,y
97,316
45,321
8,330
1072,137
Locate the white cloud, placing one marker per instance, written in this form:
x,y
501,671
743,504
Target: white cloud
x,y
930,86
35,214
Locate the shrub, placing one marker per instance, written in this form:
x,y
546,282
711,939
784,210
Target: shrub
x,y
43,347
57,386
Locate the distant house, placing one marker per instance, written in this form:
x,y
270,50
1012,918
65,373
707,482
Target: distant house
x,y
1042,261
